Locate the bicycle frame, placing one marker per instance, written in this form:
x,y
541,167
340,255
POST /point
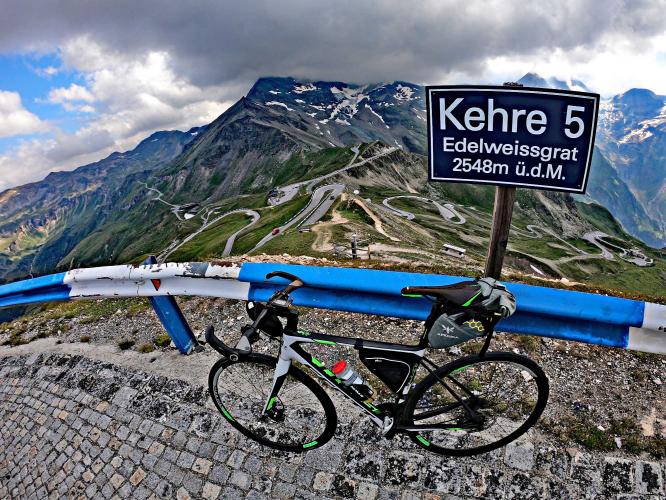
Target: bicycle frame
x,y
291,350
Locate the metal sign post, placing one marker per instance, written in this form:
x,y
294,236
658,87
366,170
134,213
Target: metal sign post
x,y
505,197
510,136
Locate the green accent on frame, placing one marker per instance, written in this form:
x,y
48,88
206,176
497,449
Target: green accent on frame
x,y
271,402
469,302
310,444
316,362
326,342
372,407
423,440
227,415
459,369
329,372
411,295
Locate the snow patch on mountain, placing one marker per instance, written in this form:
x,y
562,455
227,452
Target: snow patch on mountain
x,y
349,99
376,114
404,93
278,103
646,128
307,87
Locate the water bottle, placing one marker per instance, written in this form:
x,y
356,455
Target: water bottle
x,y
349,377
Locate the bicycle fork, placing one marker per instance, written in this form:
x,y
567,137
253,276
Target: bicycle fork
x,y
279,376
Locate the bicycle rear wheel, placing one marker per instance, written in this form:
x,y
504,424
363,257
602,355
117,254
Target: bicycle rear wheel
x,y
302,418
506,394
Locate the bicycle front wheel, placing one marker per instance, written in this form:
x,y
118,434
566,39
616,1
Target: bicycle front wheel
x,y
476,404
302,418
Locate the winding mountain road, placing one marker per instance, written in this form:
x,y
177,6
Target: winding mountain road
x,y
447,211
322,197
287,193
175,209
593,237
321,200
175,245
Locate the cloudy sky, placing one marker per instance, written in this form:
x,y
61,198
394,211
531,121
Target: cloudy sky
x,y
81,79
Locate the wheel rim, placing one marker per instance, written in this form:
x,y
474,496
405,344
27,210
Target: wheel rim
x,y
504,394
296,418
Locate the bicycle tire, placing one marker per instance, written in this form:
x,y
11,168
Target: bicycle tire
x,y
420,390
239,413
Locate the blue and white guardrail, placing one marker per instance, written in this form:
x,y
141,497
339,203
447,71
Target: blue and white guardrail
x,y
547,312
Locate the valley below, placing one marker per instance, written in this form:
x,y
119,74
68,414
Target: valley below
x,y
312,170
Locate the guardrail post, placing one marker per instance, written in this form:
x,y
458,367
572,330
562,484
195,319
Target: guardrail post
x,y
171,317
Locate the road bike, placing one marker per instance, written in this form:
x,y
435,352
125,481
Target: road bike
x,y
471,405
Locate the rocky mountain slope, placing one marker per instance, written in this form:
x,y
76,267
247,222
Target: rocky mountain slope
x,y
175,190
41,222
345,114
632,136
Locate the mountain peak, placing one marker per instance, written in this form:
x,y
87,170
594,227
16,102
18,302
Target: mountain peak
x,y
638,93
267,83
641,102
535,80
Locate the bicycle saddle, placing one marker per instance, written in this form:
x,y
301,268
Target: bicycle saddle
x,y
461,294
485,294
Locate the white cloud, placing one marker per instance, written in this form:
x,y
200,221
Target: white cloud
x,y
74,92
135,96
15,119
132,97
138,77
46,72
617,66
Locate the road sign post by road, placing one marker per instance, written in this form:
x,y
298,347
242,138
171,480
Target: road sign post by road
x,y
510,136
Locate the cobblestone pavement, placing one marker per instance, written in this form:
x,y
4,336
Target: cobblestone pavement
x,y
76,427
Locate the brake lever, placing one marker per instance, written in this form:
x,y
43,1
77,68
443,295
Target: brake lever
x,y
244,345
248,331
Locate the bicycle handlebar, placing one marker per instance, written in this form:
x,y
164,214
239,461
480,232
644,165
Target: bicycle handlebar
x,y
218,344
244,345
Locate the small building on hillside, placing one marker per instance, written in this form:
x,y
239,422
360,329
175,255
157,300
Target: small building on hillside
x,y
454,251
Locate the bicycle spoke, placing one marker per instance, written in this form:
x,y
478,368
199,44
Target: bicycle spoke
x,y
498,399
296,417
